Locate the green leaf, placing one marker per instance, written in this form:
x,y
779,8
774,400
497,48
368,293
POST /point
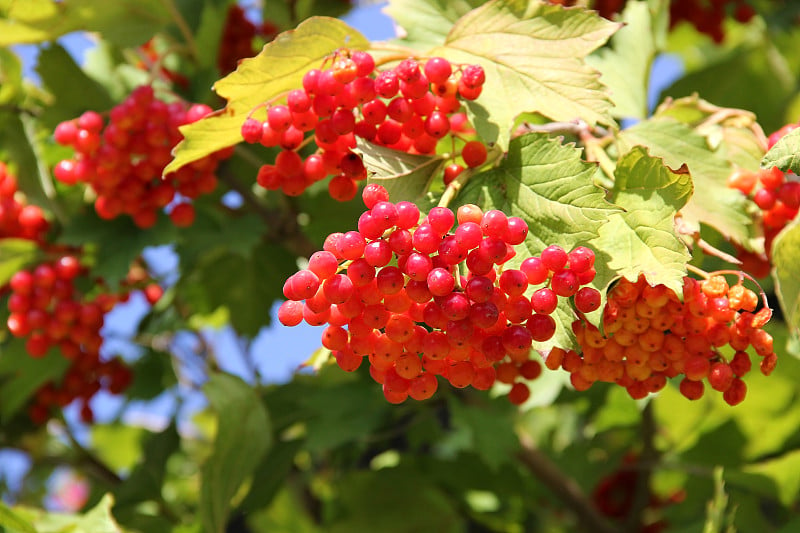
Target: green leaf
x,y
534,58
213,230
490,429
406,176
426,22
10,521
271,475
785,258
713,203
146,479
758,66
625,65
97,520
114,244
244,286
11,88
785,154
340,414
642,239
117,445
278,68
153,373
243,437
124,22
388,499
548,185
782,471
15,255
21,375
19,146
73,91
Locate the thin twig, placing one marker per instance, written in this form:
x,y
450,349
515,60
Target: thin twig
x,y
96,467
563,487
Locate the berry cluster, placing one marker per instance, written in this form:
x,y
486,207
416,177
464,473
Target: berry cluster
x,y
123,160
392,292
409,108
237,38
605,8
17,219
777,195
709,17
49,310
649,335
615,494
706,16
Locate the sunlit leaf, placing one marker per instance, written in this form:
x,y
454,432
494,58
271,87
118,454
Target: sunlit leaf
x,y
547,184
785,258
124,22
10,521
625,64
533,55
96,520
785,154
405,176
425,23
713,203
278,68
15,255
642,239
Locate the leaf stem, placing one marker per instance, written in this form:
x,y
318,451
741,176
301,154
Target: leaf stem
x,y
451,191
563,487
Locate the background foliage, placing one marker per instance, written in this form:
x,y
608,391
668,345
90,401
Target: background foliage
x,y
324,451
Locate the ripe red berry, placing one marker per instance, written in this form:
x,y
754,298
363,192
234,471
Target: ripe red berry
x,y
474,153
182,215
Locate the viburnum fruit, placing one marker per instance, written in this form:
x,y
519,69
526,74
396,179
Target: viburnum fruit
x,y
777,195
49,311
17,218
649,335
123,160
409,107
423,299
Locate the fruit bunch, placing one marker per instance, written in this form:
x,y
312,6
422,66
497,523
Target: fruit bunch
x,y
615,495
605,8
409,107
123,160
48,309
17,218
237,38
650,335
709,16
421,299
777,196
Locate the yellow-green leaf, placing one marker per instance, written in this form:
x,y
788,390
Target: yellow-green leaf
x,y
277,69
534,57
